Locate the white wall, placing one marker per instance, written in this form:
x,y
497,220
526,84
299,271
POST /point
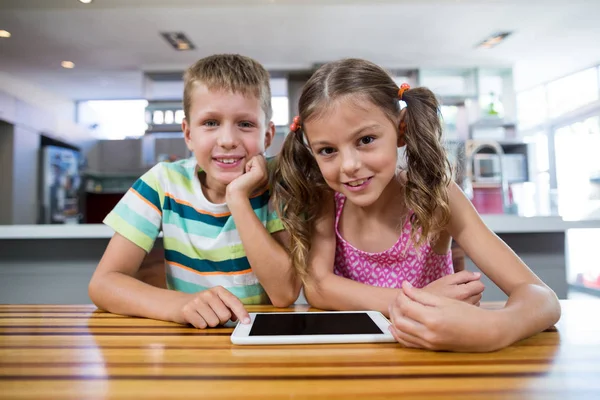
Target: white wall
x,y
61,107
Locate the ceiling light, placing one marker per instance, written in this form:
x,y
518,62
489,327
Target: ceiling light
x,y
493,40
4,34
178,41
67,64
85,1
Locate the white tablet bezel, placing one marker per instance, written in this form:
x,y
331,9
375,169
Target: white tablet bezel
x,y
241,333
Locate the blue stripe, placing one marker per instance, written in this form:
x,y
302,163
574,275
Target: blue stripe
x,y
260,201
135,220
187,212
181,214
191,227
147,192
233,265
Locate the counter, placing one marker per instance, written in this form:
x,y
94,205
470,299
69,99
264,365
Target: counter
x,y
78,352
52,264
497,223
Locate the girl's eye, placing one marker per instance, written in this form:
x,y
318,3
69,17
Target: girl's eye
x,y
327,151
366,139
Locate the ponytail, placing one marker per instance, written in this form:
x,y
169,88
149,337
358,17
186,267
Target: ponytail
x,y
428,168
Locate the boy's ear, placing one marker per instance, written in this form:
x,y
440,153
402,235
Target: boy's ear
x,y
269,134
185,127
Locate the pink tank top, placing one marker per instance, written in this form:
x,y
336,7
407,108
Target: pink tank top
x,y
393,266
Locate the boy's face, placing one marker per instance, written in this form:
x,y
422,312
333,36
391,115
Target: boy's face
x,y
225,130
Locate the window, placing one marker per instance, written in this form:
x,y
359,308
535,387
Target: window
x,y
113,119
281,110
571,92
532,107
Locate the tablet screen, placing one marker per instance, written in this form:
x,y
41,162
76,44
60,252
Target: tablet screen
x,y
313,324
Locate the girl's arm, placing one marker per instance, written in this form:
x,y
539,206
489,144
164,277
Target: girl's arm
x,y
328,291
324,289
429,321
532,306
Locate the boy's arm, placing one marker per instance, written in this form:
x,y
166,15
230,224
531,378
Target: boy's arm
x,y
114,288
266,253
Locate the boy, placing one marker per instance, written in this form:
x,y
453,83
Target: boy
x,y
207,206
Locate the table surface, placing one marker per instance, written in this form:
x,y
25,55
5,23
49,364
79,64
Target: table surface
x,y
76,352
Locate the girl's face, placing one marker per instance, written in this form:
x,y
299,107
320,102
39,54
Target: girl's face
x,y
356,147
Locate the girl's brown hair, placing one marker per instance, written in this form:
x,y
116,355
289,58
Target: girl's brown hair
x,y
299,187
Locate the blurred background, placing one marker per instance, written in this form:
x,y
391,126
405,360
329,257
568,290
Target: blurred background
x,y
90,99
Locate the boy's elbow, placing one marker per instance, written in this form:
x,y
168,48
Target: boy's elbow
x,y
94,291
285,300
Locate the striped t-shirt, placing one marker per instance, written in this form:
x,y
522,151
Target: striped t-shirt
x,y
202,246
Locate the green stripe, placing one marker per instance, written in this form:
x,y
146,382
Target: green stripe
x,y
274,225
220,254
176,177
251,294
129,232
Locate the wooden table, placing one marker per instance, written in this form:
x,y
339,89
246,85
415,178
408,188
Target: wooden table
x,y
77,352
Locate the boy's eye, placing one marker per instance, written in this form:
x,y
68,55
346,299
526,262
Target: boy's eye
x,y
211,123
246,124
366,139
327,151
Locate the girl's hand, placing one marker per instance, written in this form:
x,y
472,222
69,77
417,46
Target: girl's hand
x,y
425,320
464,286
254,178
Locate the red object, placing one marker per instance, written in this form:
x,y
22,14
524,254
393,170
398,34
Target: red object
x,y
403,88
488,200
98,205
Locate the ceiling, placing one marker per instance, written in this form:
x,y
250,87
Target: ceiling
x,y
112,42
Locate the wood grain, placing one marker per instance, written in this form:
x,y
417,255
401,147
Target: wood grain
x,y
76,352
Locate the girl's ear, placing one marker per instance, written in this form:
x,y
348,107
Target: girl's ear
x,y
402,128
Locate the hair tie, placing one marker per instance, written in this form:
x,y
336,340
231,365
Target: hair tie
x,y
296,124
403,88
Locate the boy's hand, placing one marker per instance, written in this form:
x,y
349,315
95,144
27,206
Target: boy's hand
x,y
463,285
254,177
212,307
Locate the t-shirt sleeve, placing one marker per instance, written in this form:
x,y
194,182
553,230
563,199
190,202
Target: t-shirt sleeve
x,y
274,223
138,215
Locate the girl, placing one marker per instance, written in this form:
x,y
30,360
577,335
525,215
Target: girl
x,y
367,235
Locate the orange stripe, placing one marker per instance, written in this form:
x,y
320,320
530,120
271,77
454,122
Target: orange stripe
x,y
185,203
210,273
145,200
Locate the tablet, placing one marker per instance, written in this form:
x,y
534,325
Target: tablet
x,y
313,327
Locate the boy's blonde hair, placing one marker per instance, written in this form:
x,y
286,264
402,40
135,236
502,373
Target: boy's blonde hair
x,y
231,72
